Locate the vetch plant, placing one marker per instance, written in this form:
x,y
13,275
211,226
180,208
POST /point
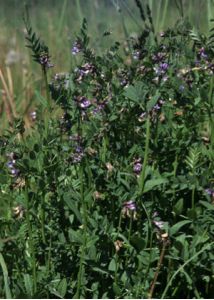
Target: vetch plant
x,y
110,194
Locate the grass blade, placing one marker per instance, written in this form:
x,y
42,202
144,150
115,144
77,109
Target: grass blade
x,y
6,279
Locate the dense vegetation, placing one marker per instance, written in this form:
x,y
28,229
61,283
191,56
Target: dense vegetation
x,y
110,193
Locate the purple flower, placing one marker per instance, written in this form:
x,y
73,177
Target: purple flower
x,y
84,103
130,205
161,69
76,48
15,172
129,209
11,164
79,149
142,117
124,82
165,78
12,167
44,60
156,107
202,53
159,224
78,154
210,192
164,67
137,167
99,108
161,102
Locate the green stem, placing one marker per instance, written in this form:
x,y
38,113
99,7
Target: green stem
x,y
46,87
47,110
175,166
116,255
193,197
210,100
5,275
49,255
31,243
43,220
79,278
130,226
151,291
142,176
147,244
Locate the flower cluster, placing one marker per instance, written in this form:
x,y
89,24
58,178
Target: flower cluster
x,y
83,103
84,70
137,167
77,155
159,225
210,192
11,164
77,48
129,209
44,60
153,113
78,152
202,54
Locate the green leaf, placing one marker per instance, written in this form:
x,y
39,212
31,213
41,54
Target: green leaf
x,y
116,289
99,270
175,228
41,99
112,265
32,155
62,287
131,93
178,207
28,285
75,236
135,92
152,102
6,279
150,184
3,177
69,201
207,205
